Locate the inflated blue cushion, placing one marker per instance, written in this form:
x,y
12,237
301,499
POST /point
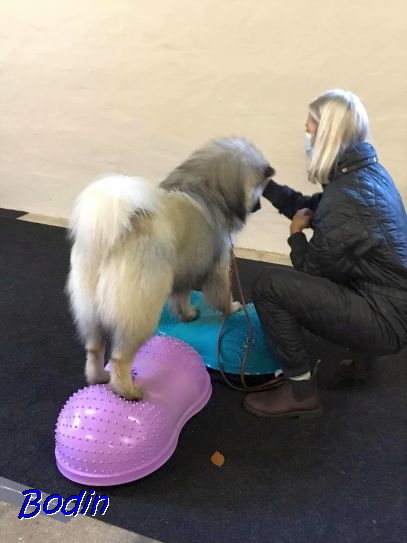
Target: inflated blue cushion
x,y
202,334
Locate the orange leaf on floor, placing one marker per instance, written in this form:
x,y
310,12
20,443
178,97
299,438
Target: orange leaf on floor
x,y
218,459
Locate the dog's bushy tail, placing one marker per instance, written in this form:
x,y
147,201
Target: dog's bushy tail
x,y
104,212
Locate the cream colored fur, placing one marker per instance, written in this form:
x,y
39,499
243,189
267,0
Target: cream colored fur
x,y
131,240
136,245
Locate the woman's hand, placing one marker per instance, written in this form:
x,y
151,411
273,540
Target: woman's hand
x,y
302,219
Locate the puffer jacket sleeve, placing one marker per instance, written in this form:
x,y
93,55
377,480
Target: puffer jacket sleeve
x,y
289,201
339,240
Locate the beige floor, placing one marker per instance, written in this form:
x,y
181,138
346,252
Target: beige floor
x,y
45,529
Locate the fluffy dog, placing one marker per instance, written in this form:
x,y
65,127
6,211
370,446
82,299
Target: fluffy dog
x,y
135,245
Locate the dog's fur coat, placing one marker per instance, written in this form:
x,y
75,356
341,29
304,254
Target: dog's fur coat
x,y
135,245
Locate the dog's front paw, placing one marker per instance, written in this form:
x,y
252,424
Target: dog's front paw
x,y
235,307
190,315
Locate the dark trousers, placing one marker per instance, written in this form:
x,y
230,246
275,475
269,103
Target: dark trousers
x,y
287,301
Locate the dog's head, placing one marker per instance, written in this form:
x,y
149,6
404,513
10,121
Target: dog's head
x,y
268,174
240,174
228,174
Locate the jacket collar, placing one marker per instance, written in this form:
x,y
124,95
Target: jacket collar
x,y
355,157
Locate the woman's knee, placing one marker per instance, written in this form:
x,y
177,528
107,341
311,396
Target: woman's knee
x,y
270,283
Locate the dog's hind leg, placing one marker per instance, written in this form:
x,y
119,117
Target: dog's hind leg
x,y
132,291
180,304
81,287
95,359
125,347
121,375
136,322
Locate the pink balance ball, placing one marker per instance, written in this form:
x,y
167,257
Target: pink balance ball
x,y
104,440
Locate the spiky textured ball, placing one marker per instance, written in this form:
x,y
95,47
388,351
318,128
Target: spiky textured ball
x,y
103,440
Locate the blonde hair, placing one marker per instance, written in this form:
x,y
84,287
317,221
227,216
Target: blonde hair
x,y
342,122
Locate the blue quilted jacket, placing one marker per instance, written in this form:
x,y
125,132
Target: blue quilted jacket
x,y
359,231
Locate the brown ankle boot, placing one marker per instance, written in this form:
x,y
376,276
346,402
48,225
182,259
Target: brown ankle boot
x,y
292,399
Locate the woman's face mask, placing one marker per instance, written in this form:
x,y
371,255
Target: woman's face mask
x,y
311,127
308,145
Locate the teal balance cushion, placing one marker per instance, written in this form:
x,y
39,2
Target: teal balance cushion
x,y
202,335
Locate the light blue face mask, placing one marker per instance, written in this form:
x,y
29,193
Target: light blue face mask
x,y
308,145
